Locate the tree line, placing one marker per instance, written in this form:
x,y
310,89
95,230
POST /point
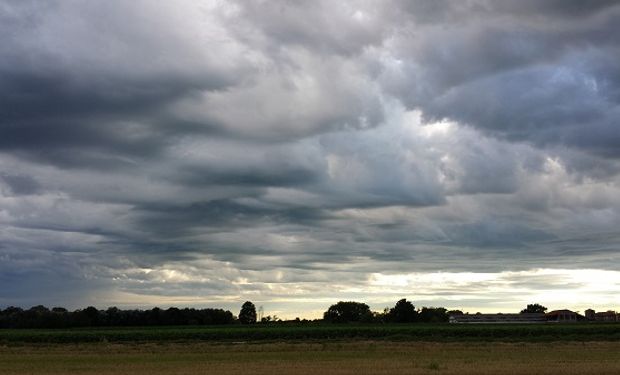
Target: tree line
x,y
403,312
59,317
342,312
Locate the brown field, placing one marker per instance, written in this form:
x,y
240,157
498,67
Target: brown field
x,y
314,358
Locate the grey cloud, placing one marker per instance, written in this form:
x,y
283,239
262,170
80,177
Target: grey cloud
x,y
21,184
217,214
217,161
307,96
343,28
553,8
528,72
495,233
74,74
442,11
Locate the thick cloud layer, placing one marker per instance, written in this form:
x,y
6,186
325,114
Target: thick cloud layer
x,y
543,72
298,153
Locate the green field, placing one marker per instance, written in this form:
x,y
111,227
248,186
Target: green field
x,y
351,357
315,348
321,332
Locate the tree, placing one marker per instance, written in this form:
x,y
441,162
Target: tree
x,y
247,315
88,317
403,312
534,308
345,312
433,315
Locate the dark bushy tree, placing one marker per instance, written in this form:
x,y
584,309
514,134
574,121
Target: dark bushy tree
x,y
88,317
247,315
433,315
534,308
346,312
402,312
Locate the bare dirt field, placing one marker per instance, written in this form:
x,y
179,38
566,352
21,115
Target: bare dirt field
x,y
313,358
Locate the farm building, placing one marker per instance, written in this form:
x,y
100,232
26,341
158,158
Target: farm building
x,y
603,316
556,316
563,316
498,318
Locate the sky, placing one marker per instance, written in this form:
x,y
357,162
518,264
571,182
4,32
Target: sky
x,y
463,154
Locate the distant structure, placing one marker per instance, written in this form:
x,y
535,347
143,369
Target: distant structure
x,y
498,318
261,312
556,316
563,316
603,316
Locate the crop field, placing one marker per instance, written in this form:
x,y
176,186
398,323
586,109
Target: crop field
x,y
321,332
350,357
315,348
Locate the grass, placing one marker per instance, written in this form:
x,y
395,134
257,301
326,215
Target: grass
x,y
321,332
321,348
349,357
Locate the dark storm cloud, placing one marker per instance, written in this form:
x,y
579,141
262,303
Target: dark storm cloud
x,y
217,215
450,11
78,81
223,148
520,70
21,184
553,8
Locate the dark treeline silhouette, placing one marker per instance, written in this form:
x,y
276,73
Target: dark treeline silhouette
x,y
403,312
342,312
58,317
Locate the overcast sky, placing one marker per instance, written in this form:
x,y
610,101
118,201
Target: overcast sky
x,y
296,153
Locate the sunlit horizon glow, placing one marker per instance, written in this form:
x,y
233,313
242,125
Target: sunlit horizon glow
x,y
506,291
